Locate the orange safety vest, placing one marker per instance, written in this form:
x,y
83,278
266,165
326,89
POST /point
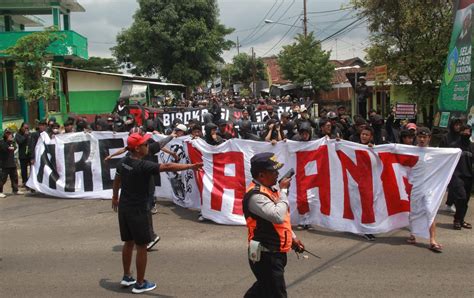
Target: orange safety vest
x,y
275,237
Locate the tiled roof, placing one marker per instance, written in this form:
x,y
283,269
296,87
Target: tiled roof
x,y
273,70
339,76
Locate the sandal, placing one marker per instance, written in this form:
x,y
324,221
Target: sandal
x,y
411,239
457,225
435,247
466,225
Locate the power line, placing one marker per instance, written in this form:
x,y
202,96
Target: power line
x,y
265,32
263,19
341,19
343,30
329,11
272,25
251,28
291,28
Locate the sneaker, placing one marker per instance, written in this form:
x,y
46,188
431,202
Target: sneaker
x,y
2,195
154,210
201,218
128,281
151,244
144,287
19,192
369,237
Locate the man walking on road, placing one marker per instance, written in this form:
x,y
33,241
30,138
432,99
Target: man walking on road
x,y
135,179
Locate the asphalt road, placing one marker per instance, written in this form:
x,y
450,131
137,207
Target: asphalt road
x,y
71,248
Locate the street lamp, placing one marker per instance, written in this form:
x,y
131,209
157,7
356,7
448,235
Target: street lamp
x,y
267,21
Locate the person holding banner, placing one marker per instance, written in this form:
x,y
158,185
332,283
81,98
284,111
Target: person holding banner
x,y
270,235
134,178
423,138
8,163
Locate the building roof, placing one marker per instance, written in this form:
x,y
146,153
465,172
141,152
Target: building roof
x,y
349,62
28,21
273,70
155,83
37,7
127,77
342,67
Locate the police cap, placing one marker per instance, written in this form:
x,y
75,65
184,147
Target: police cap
x,y
264,161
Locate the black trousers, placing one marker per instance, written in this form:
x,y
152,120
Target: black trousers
x,y
462,194
362,107
13,173
269,272
24,164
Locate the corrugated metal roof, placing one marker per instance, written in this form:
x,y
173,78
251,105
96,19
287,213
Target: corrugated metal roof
x,y
131,78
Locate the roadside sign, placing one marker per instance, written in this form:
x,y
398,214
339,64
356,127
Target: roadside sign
x,y
380,73
405,111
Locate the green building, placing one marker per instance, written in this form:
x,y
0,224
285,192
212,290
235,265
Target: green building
x,y
88,93
18,18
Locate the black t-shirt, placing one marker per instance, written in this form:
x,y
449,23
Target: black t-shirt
x,y
137,186
7,154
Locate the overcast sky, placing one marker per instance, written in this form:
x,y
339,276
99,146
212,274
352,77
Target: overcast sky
x,y
103,19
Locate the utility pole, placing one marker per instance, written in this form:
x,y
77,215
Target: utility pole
x,y
254,91
305,20
238,46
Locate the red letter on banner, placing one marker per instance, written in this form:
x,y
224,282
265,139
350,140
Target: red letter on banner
x,y
221,181
395,204
195,156
362,174
320,179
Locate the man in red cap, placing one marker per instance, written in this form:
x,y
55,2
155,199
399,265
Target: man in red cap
x,y
135,179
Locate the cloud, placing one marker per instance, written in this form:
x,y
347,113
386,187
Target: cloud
x,y
104,19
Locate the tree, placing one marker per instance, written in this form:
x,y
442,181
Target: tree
x,y
305,60
242,67
98,64
411,38
31,62
181,41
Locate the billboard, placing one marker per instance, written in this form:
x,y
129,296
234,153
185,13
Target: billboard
x,y
456,92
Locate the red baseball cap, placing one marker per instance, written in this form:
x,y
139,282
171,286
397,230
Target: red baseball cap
x,y
411,126
135,139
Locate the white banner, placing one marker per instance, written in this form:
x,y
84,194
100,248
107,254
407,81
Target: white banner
x,y
339,185
73,166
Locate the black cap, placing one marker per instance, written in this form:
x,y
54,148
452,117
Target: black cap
x,y
221,122
43,121
265,161
423,131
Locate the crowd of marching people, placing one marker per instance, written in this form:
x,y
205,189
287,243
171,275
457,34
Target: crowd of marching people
x,y
297,124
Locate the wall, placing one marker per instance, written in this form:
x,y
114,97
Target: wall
x,y
92,93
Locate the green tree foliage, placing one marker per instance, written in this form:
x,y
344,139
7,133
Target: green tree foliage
x,y
242,67
305,60
31,61
412,38
179,40
97,64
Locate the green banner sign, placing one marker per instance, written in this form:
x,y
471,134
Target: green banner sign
x,y
457,92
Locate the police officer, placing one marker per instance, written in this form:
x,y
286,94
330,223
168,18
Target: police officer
x,y
270,235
